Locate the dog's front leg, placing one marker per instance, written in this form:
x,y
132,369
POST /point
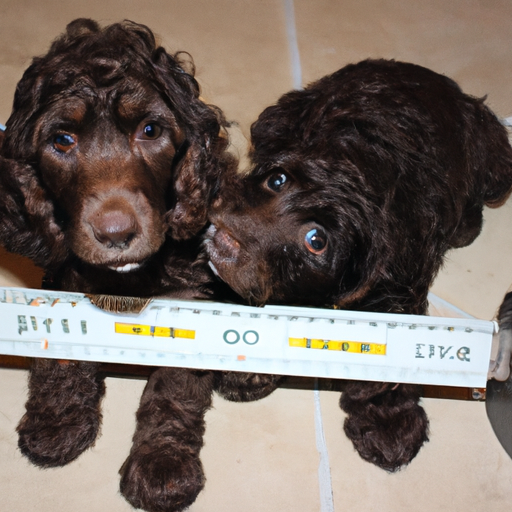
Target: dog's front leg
x,y
385,422
163,471
63,415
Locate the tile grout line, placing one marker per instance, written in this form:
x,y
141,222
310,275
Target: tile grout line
x,y
293,45
436,300
324,468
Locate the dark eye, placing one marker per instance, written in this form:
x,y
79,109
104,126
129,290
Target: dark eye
x,y
277,181
63,142
149,131
316,241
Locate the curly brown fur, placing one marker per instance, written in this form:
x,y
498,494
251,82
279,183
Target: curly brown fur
x,y
107,168
167,442
245,387
385,422
63,413
163,472
109,159
360,184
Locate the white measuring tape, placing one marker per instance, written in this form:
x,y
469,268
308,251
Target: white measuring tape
x,y
274,339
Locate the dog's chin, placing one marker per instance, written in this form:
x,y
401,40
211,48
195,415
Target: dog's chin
x,y
223,268
223,251
238,281
231,263
121,268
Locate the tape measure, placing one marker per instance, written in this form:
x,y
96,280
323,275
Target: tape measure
x,y
273,339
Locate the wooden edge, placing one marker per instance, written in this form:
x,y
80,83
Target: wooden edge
x,y
133,371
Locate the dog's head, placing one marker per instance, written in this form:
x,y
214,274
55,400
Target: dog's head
x,y
360,183
107,151
300,227
295,230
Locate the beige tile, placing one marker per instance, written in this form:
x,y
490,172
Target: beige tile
x,y
477,277
467,40
18,271
463,467
261,455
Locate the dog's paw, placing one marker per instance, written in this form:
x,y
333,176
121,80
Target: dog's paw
x,y
50,442
245,387
161,480
63,414
387,429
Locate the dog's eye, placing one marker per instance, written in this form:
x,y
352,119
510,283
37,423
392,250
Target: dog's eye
x,y
316,241
277,181
150,131
63,142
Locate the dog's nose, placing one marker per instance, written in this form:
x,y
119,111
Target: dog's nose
x,y
115,229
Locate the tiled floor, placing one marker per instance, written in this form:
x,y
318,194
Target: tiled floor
x,y
263,456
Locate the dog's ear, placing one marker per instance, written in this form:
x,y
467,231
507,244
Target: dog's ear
x,y
191,194
203,155
196,180
27,221
490,150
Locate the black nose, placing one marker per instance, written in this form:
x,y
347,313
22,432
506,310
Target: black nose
x,y
115,228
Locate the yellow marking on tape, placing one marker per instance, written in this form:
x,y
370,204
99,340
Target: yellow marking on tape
x,y
152,330
355,347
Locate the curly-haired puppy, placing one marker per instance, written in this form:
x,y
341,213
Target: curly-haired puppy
x,y
360,184
107,168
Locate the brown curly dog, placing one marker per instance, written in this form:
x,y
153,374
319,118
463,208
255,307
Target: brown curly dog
x,y
360,185
107,167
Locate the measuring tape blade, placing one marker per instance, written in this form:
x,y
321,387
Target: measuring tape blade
x,y
273,339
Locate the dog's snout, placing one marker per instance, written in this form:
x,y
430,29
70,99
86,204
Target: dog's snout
x,y
115,228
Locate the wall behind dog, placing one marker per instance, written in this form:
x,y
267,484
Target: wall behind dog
x,y
263,456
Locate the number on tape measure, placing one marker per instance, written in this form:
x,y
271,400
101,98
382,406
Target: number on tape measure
x,y
153,330
343,346
231,337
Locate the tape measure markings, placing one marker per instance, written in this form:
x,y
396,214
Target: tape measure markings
x,y
152,330
343,346
274,339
